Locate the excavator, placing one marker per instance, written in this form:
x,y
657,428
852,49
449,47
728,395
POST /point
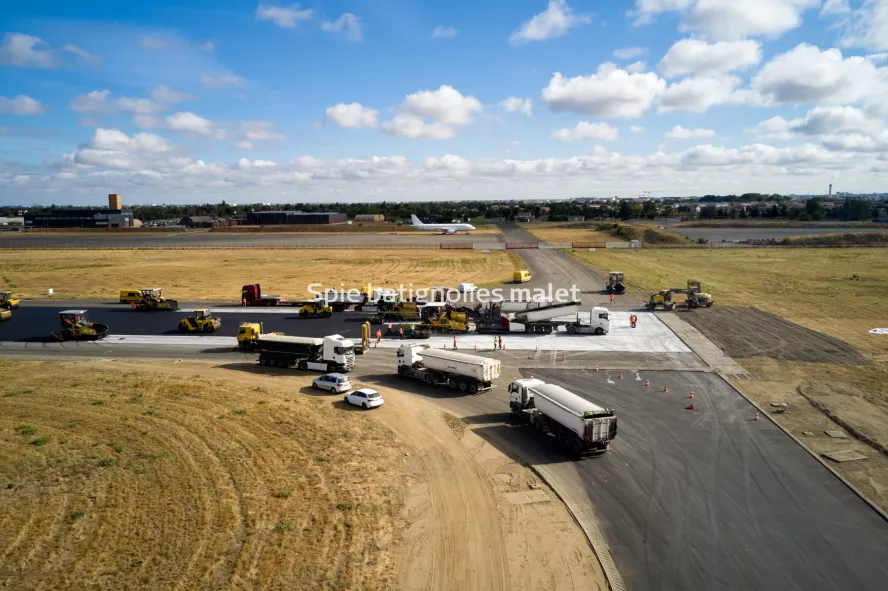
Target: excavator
x,y
152,299
315,310
694,297
77,327
704,299
200,322
7,301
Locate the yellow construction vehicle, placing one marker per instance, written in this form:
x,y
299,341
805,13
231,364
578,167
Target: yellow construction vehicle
x,y
704,299
76,326
365,339
248,333
615,282
5,314
315,310
200,322
521,277
152,299
662,298
7,301
450,321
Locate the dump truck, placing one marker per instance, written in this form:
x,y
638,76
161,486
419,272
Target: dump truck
x,y
76,326
201,321
459,371
251,295
248,333
615,282
152,299
578,425
7,301
542,320
331,353
598,322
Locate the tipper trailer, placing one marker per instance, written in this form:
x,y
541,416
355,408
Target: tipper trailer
x,y
578,425
331,353
459,371
537,320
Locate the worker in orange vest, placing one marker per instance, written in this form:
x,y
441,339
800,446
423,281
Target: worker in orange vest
x,y
378,335
401,330
612,298
633,320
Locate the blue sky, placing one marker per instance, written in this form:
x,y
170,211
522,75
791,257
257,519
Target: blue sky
x,y
364,100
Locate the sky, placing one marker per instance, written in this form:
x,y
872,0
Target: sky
x,y
167,101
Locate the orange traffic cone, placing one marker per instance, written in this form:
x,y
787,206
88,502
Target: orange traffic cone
x,y
537,350
756,416
665,388
692,394
690,406
563,358
596,367
647,383
620,377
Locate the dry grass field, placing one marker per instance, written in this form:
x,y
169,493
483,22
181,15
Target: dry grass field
x,y
841,292
117,478
569,232
218,275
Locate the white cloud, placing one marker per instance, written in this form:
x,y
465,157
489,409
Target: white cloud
x,y
696,57
142,143
829,122
585,130
82,54
25,51
21,105
806,75
260,131
698,94
627,53
433,114
834,7
154,43
348,23
283,16
611,92
188,122
221,80
636,129
680,133
244,145
866,27
513,104
638,67
166,95
353,115
112,149
555,21
442,32
729,20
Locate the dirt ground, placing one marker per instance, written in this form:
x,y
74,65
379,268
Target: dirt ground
x,y
750,332
217,275
568,232
139,473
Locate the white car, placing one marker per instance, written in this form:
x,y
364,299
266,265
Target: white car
x,y
365,398
467,287
333,382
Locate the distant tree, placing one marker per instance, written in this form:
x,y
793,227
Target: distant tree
x,y
625,211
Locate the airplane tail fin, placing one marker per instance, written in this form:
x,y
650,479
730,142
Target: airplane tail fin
x,y
415,220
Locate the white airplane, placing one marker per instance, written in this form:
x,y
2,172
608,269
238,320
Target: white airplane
x,y
443,228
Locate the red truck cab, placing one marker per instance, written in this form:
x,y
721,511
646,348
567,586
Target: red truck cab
x,y
252,295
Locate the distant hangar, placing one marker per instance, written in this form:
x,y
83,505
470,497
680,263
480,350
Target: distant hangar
x,y
279,218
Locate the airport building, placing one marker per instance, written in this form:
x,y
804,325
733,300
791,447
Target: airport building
x,y
279,218
112,217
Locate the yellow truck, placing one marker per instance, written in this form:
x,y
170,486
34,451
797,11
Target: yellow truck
x,y
521,277
248,333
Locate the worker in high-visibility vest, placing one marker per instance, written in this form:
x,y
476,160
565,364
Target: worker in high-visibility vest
x,y
378,336
401,330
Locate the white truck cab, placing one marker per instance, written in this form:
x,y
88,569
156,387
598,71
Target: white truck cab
x,y
520,393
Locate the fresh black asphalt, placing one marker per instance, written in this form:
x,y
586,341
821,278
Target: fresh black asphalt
x,y
710,499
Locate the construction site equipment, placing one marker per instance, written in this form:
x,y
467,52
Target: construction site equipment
x,y
7,301
661,299
201,321
521,277
542,319
331,353
5,314
251,295
597,323
365,339
578,425
615,282
152,299
704,299
459,371
249,332
448,320
394,312
315,309
135,295
76,326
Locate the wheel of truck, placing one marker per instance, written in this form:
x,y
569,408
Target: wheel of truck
x,y
575,449
571,330
359,308
548,329
463,386
429,380
473,388
402,371
302,365
599,331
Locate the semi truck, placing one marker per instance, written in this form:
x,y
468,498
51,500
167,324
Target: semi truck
x,y
459,371
252,295
331,353
536,320
597,323
578,425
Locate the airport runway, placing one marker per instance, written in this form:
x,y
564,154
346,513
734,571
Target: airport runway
x,y
232,239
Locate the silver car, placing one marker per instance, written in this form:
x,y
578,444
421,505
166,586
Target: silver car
x,y
332,382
